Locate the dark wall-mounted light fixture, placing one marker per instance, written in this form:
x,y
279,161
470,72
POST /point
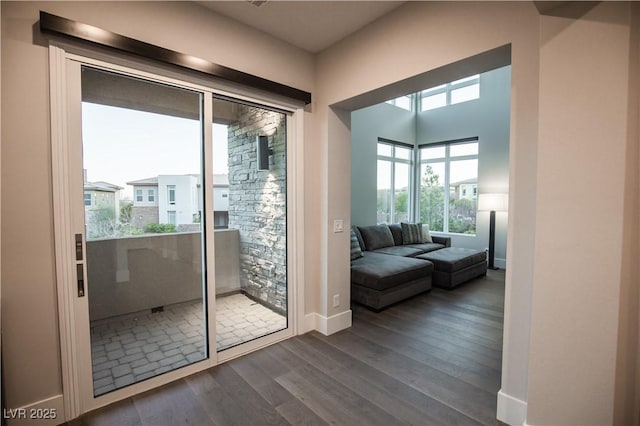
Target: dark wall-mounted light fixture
x,y
263,152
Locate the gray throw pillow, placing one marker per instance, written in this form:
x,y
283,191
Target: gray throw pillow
x,y
376,236
411,233
356,250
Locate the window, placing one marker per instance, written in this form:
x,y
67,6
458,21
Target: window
x,y
463,90
87,199
404,102
395,168
171,194
139,196
171,217
151,195
454,166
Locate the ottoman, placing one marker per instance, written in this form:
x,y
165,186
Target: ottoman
x,y
379,280
453,266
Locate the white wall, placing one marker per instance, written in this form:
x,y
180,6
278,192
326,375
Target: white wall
x,y
31,353
367,125
488,119
186,201
363,69
584,98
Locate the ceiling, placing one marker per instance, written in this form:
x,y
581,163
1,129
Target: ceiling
x,y
309,25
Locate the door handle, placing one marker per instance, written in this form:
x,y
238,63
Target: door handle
x,y
78,247
80,272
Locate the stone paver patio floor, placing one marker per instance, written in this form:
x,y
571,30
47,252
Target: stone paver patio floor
x,y
129,348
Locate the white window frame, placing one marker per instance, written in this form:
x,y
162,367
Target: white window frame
x,y
151,195
393,160
397,101
90,200
139,195
171,189
447,159
170,214
447,88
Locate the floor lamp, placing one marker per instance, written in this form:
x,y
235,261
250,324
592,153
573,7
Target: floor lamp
x,y
492,203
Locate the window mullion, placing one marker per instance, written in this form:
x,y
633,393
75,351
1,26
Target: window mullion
x,y
392,195
445,219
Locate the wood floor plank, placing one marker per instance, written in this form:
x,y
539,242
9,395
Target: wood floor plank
x,y
453,364
172,404
401,401
476,403
490,355
250,401
297,413
122,413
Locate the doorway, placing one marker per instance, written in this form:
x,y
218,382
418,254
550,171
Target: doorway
x,y
174,240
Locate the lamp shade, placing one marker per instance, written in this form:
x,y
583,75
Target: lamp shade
x,y
495,202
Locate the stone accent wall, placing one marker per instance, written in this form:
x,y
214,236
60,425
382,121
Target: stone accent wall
x,y
257,205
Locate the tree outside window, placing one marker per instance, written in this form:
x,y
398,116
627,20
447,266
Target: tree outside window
x,y
453,166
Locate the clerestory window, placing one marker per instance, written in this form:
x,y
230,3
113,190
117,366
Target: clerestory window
x,y
455,92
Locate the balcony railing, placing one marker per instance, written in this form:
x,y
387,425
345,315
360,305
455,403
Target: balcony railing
x,y
137,273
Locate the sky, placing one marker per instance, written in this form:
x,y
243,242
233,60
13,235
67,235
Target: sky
x,y
121,145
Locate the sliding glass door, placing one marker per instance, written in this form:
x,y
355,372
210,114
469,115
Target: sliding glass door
x,y
142,169
172,212
250,163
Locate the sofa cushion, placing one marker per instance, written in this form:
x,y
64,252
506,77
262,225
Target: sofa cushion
x,y
382,271
376,236
426,247
396,231
411,233
359,235
400,250
356,251
452,259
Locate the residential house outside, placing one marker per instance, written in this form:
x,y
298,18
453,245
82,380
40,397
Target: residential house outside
x,y
102,207
176,200
467,189
145,202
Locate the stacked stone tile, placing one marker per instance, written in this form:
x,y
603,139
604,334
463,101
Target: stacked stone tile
x,y
257,205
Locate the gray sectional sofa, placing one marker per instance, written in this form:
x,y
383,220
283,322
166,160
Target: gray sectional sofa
x,y
389,265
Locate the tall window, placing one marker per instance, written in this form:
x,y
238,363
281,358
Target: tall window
x,y
87,199
139,196
449,186
394,181
171,217
151,195
171,194
465,89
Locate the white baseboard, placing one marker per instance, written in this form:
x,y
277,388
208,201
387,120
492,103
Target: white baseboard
x,y
511,411
48,412
500,263
310,321
327,325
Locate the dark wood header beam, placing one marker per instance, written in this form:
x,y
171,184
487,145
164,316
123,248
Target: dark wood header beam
x,y
65,27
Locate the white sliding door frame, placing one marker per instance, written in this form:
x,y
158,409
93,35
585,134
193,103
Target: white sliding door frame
x,y
73,343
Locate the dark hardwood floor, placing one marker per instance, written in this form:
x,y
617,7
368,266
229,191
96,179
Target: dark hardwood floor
x,y
432,360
